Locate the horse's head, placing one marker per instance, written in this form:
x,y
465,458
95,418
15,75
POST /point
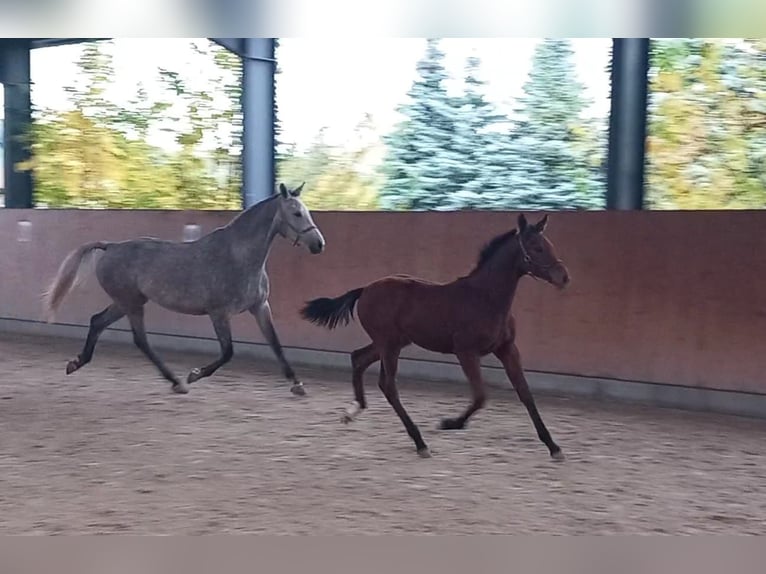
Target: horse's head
x,y
295,221
539,256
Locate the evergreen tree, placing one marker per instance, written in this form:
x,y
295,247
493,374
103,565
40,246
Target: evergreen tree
x,y
423,165
551,142
479,186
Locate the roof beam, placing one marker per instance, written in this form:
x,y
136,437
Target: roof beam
x,y
51,42
235,45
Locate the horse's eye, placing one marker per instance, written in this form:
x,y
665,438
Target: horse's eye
x,y
298,214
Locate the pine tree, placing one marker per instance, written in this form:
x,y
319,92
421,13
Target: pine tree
x,y
551,142
422,165
475,140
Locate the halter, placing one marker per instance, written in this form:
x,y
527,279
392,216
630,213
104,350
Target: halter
x,y
298,232
532,263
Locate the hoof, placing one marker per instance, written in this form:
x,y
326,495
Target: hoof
x,y
72,366
451,424
180,388
424,452
194,376
558,456
351,412
297,389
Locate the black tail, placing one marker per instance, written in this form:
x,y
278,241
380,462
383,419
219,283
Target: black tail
x,y
329,312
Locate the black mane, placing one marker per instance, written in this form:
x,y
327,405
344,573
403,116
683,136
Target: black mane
x,y
491,248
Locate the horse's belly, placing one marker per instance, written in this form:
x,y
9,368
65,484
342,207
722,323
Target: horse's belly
x,y
179,306
449,340
435,346
438,342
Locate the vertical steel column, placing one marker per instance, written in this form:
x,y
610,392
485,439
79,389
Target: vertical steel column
x,y
627,124
258,162
15,76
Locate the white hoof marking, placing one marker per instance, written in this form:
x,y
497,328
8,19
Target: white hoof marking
x,y
353,410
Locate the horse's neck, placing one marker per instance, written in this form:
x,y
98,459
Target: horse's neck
x,y
252,233
499,277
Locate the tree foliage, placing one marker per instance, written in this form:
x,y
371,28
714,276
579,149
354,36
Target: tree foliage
x,y
424,167
706,145
335,176
557,152
334,180
97,153
459,153
707,124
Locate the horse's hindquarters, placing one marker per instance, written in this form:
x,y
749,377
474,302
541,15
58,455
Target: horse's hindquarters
x,y
398,311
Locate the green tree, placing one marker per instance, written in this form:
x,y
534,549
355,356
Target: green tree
x,y
335,178
707,124
482,174
556,164
98,153
77,153
423,166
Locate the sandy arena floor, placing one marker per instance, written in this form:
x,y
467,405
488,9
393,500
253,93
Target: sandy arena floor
x,y
110,450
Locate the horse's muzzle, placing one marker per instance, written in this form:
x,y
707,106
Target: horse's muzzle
x,y
559,277
316,247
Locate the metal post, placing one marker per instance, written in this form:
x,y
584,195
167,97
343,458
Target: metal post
x,y
15,70
258,65
627,124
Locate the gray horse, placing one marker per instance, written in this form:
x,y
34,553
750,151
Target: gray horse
x,y
221,274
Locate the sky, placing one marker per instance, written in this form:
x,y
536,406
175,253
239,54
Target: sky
x,y
333,82
327,82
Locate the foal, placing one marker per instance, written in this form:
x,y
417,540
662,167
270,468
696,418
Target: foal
x,y
469,317
220,275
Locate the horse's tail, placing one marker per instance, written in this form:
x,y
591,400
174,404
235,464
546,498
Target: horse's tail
x,y
67,276
329,312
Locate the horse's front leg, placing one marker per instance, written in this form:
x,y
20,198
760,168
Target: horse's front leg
x,y
262,314
510,357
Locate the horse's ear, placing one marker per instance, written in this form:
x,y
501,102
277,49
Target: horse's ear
x,y
540,225
283,190
297,191
522,222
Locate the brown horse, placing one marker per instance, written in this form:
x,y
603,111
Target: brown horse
x,y
469,317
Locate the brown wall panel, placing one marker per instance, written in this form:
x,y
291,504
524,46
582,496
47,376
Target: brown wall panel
x,y
666,297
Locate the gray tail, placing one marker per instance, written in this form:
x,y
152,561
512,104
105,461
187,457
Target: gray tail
x,y
67,276
328,312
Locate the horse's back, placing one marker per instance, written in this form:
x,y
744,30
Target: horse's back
x,y
142,250
404,279
127,260
398,292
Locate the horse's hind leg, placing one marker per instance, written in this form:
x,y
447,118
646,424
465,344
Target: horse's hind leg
x,y
389,363
262,314
98,323
136,318
361,359
222,327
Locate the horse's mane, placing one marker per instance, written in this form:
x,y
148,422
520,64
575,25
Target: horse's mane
x,y
255,207
491,247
